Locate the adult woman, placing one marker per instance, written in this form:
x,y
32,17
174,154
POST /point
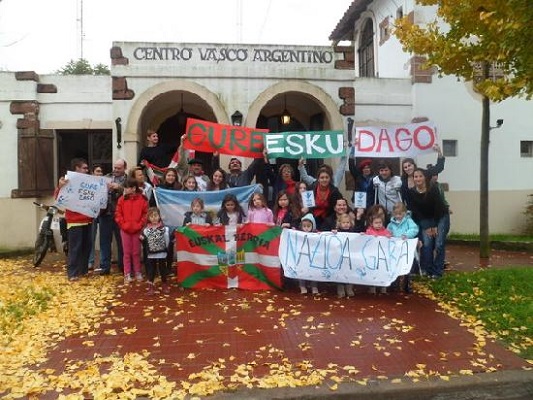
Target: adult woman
x,y
428,208
326,196
217,180
362,175
170,180
341,207
408,168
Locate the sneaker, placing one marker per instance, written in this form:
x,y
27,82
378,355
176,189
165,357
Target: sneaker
x,y
303,290
383,290
90,267
340,291
314,290
349,291
127,279
74,278
150,289
372,290
139,277
165,288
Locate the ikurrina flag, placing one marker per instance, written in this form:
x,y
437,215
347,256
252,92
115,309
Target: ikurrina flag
x,y
229,257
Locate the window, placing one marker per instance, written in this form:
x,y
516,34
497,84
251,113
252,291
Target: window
x,y
93,145
384,31
526,148
449,148
366,50
399,13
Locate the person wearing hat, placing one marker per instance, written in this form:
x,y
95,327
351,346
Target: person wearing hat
x,y
196,168
362,174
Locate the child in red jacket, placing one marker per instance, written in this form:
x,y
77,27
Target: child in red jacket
x,y
130,216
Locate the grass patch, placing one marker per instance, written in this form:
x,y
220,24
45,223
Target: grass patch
x,y
21,304
496,237
502,299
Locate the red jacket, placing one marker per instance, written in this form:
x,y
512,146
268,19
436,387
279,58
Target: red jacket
x,y
382,232
131,212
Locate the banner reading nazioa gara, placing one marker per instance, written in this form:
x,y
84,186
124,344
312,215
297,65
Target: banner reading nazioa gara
x,y
345,257
229,257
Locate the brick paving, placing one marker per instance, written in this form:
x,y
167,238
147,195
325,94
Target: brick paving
x,y
380,336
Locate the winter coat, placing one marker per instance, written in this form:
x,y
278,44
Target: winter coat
x,y
131,213
406,227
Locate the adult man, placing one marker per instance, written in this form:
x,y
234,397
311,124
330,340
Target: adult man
x,y
237,177
108,226
79,230
158,154
196,169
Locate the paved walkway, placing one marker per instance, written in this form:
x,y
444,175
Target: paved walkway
x,y
391,343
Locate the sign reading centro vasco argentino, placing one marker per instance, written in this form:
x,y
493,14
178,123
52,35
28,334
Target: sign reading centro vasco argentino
x,y
234,54
320,144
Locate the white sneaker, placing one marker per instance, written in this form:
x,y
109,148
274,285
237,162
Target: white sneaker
x,y
303,290
127,279
314,290
340,291
383,290
139,277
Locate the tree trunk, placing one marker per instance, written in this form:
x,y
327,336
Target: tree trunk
x,y
484,241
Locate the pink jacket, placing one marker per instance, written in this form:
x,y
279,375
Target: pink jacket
x,y
382,232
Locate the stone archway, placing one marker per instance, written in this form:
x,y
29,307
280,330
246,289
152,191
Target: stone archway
x,y
334,120
136,121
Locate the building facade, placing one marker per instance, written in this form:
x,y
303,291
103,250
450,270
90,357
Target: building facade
x,y
363,79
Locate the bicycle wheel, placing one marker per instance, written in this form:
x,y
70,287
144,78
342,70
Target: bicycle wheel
x,y
41,247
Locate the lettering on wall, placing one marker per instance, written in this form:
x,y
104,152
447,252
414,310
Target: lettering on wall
x,y
233,54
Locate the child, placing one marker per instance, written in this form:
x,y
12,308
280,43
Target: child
x,y
157,239
308,224
286,213
197,215
231,212
301,188
377,228
130,216
345,224
403,226
190,184
258,211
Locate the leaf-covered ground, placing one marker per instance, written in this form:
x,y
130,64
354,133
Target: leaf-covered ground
x,y
98,338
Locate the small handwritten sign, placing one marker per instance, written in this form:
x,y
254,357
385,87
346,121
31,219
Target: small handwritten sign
x,y
85,194
308,199
359,199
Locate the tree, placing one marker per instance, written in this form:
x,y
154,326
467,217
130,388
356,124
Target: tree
x,y
487,42
82,67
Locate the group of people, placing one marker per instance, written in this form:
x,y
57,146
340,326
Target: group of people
x,y
409,206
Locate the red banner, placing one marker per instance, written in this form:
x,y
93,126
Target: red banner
x,y
229,257
226,139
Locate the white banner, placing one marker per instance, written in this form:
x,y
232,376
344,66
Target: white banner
x,y
345,257
395,141
85,194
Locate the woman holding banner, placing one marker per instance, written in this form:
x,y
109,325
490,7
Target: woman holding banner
x,y
326,196
408,169
427,207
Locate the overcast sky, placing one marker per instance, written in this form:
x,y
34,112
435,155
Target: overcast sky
x,y
43,35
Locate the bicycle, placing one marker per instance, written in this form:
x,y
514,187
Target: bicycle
x,y
45,238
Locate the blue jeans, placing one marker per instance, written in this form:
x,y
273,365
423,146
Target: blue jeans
x,y
93,240
108,229
443,228
427,262
79,247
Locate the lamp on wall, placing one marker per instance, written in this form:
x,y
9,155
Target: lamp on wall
x,y
181,115
236,118
118,125
285,116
